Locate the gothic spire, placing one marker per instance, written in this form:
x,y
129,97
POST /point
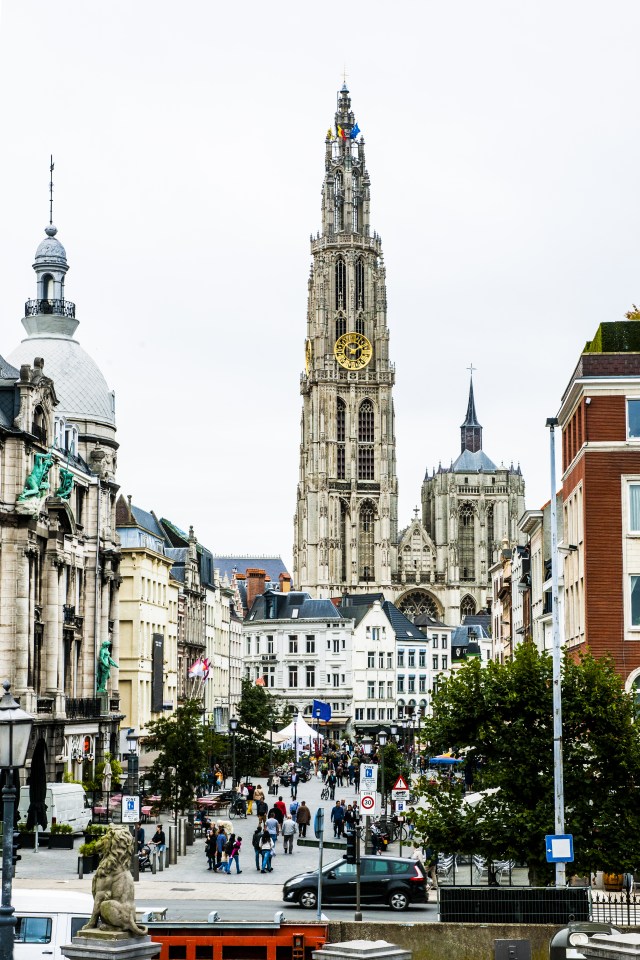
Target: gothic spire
x,y
471,431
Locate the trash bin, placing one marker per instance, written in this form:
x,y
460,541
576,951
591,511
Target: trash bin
x,y
565,945
191,828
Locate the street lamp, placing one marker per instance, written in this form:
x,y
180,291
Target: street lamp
x,y
295,739
233,723
382,740
15,731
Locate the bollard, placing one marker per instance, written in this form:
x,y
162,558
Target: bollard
x,y
80,868
166,857
153,860
182,845
173,844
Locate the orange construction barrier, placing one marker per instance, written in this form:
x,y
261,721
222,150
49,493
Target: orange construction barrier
x,y
238,941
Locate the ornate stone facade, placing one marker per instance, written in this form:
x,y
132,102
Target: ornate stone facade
x,y
346,523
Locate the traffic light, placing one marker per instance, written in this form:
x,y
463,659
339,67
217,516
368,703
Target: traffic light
x,y
15,856
351,855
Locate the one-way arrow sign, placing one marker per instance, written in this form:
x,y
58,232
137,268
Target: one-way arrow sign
x,y
400,784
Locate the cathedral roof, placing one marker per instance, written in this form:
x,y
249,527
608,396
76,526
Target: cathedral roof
x,y
470,462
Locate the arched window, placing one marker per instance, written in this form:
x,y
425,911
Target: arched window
x,y
490,534
341,325
341,284
47,287
466,542
359,284
416,603
360,323
467,607
366,469
341,433
355,218
344,522
39,425
366,554
338,196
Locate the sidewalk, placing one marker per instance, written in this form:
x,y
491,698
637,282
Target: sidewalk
x,y
189,878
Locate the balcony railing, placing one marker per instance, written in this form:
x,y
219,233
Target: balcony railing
x,y
85,708
69,614
44,705
59,308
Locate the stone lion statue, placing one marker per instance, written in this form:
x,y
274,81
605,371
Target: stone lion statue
x,y
114,906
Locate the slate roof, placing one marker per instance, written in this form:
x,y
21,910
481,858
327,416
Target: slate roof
x,y
479,619
273,566
469,462
179,557
426,620
7,372
147,521
402,626
274,605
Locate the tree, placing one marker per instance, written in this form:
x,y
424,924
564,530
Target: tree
x,y
395,765
182,758
501,717
257,710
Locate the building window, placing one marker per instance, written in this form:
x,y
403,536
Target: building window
x,y
336,645
335,679
412,685
434,641
466,541
338,210
366,547
490,533
633,419
634,507
248,646
400,684
381,690
444,642
311,644
269,644
359,281
422,658
467,607
635,601
311,676
381,713
435,662
371,689
422,683
360,323
371,713
389,689
401,658
375,633
371,659
444,663
389,661
341,325
359,713
365,422
411,654
365,463
389,713
293,676
293,644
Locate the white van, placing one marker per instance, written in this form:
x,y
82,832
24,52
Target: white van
x,y
65,804
46,920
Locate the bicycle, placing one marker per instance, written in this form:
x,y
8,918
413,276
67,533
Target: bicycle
x,y
238,809
326,793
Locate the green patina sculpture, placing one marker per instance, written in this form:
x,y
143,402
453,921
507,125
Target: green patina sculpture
x,y
104,666
36,484
66,484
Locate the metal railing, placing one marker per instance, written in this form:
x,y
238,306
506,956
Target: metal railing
x,y
59,308
618,909
84,708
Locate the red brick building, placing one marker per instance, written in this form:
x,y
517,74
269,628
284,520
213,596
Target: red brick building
x,y
600,423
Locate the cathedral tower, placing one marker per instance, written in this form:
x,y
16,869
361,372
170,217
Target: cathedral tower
x,y
346,511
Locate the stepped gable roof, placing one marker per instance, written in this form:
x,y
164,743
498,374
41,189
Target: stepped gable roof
x,y
273,566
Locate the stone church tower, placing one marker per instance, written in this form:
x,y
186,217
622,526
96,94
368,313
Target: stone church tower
x,y
346,510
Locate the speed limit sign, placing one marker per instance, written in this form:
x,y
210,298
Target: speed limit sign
x,y
368,803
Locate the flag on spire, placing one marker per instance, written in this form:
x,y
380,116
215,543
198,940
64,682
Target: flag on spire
x,y
355,130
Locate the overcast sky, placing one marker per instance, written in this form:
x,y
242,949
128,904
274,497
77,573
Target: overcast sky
x,y
503,145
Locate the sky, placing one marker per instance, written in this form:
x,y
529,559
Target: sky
x,y
503,146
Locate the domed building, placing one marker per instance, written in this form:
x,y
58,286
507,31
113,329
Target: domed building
x,y
59,552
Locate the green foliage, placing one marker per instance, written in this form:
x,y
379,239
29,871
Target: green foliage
x,y
69,778
182,757
87,849
620,336
257,710
117,775
502,717
96,829
61,828
395,765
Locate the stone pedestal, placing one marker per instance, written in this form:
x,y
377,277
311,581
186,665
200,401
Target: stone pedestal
x,y
104,945
614,946
361,950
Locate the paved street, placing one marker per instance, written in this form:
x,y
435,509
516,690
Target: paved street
x,y
190,890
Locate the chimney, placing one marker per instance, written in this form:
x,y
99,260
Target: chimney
x,y
285,582
255,584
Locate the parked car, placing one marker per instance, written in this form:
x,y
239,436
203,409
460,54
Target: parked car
x,y
394,881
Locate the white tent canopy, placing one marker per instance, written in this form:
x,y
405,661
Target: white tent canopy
x,y
298,728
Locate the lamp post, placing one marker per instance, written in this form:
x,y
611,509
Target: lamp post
x,y
558,769
15,730
405,723
382,740
295,740
233,723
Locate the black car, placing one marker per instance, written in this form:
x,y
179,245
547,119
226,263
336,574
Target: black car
x,y
391,880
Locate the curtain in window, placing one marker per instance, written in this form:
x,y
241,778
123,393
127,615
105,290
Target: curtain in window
x,y
634,507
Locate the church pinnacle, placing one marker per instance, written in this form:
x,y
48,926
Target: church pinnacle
x,y
470,430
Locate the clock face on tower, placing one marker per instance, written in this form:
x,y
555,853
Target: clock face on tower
x,y
353,351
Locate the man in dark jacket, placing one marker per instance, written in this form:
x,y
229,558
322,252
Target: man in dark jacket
x,y
303,818
337,819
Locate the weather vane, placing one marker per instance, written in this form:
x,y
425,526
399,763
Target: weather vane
x,y
471,369
344,74
51,191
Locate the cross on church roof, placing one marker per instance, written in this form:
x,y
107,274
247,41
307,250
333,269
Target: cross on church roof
x,y
471,369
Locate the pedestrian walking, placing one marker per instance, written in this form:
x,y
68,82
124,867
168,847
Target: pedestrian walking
x,y
293,809
210,849
261,809
266,848
303,818
294,784
337,819
288,833
331,783
234,855
255,843
273,826
221,841
280,809
251,790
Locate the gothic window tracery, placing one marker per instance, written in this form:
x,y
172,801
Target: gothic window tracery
x,y
359,284
338,195
417,602
466,541
360,323
490,533
356,204
366,552
341,431
341,325
467,607
344,517
341,284
365,441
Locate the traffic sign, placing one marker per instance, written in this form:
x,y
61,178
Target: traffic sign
x,y
369,776
400,794
368,803
559,848
130,809
400,806
400,784
318,823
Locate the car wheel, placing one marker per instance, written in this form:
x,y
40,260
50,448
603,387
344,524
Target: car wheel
x,y
308,899
398,900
